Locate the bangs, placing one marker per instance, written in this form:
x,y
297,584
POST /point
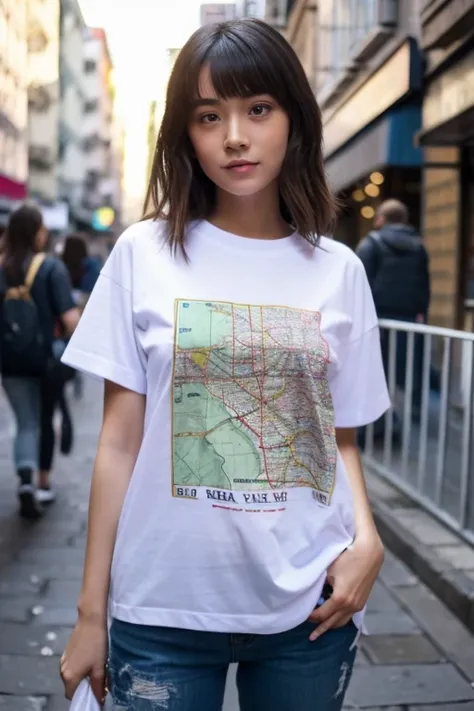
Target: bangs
x,y
239,68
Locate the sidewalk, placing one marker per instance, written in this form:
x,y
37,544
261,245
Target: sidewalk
x,y
419,657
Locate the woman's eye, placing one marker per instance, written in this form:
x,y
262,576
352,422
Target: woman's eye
x,y
261,109
209,118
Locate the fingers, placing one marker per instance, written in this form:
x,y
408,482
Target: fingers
x,y
71,680
326,610
97,681
339,619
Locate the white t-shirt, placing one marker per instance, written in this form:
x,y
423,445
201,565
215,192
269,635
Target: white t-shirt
x,y
250,355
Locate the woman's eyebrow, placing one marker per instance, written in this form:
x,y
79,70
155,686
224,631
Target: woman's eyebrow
x,y
205,102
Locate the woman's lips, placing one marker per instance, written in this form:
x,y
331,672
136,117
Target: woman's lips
x,y
242,168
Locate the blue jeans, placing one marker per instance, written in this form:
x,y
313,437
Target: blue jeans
x,y
155,668
24,395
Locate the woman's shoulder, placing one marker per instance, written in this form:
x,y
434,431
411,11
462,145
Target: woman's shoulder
x,y
141,233
134,248
343,255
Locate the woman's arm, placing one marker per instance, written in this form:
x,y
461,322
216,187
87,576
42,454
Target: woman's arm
x,y
119,443
353,574
69,320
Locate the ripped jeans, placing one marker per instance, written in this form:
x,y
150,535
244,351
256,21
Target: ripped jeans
x,y
167,669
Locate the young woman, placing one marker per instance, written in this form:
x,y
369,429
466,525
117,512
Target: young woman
x,y
229,520
31,390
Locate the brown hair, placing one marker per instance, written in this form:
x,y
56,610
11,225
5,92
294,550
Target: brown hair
x,y
393,212
246,58
18,242
74,256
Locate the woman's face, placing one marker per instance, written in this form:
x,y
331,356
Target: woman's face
x,y
240,143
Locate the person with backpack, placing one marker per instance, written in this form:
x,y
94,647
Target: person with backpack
x,y
396,263
35,293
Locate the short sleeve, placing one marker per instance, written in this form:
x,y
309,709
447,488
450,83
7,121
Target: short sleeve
x,y
60,288
357,380
104,343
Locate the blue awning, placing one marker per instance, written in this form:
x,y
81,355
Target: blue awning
x,y
387,142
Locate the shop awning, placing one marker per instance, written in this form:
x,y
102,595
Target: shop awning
x,y
387,142
458,130
12,189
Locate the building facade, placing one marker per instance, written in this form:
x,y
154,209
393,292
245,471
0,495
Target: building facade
x,y
13,105
221,12
43,99
447,138
251,8
71,155
363,60
369,84
100,184
217,12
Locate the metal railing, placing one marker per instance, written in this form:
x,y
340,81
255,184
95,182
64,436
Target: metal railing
x,y
424,444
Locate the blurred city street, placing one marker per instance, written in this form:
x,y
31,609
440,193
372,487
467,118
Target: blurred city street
x,y
418,656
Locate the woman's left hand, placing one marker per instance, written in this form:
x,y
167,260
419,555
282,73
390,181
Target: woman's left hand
x,y
352,577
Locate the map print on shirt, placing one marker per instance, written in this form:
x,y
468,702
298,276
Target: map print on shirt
x,y
252,413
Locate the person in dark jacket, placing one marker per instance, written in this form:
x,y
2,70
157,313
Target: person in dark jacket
x,y
396,263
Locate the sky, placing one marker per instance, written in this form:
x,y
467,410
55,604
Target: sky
x,y
139,32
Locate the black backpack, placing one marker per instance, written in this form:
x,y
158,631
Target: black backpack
x,y
23,347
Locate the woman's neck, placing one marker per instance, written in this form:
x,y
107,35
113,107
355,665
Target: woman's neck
x,y
255,216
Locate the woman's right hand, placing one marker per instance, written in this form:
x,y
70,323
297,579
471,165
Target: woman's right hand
x,y
86,656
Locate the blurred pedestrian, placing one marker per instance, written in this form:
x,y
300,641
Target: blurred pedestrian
x,y
84,273
240,351
82,268
396,262
35,292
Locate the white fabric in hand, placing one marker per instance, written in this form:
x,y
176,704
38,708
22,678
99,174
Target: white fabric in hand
x,y
84,699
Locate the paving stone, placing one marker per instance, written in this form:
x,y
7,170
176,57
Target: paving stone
x,y
383,623
57,703
18,575
361,659
13,589
63,591
17,609
401,649
37,640
231,701
468,706
401,685
378,487
381,601
29,676
394,573
441,625
22,703
376,708
44,556
49,571
56,616
426,528
460,556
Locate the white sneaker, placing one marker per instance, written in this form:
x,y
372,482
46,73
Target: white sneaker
x,y
46,496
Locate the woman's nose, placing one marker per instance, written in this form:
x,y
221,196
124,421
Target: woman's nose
x,y
236,136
